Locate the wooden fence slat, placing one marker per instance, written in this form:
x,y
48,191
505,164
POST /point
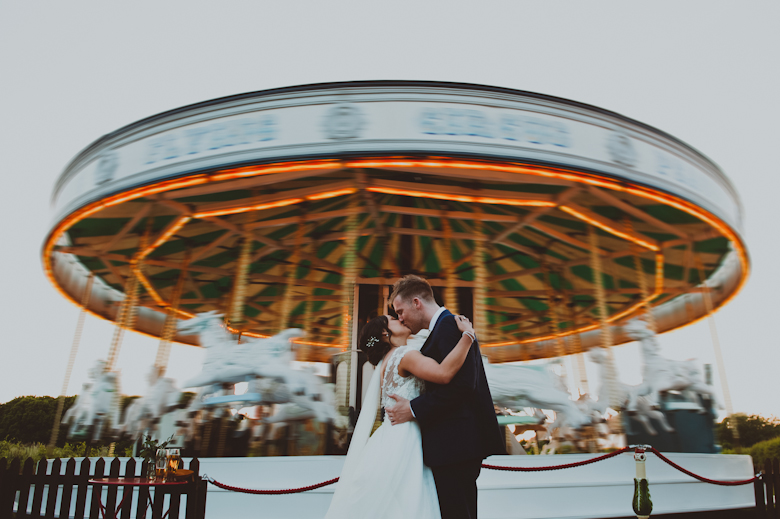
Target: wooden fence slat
x,y
53,481
769,488
67,487
758,490
24,485
776,487
143,495
174,504
128,502
39,479
113,472
81,486
6,490
97,490
196,496
157,504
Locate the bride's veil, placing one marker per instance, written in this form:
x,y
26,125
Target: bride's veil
x,y
364,424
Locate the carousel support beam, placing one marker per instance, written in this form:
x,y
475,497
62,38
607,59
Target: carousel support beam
x,y
634,211
127,227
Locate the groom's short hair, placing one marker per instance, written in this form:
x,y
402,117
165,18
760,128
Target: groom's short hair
x,y
411,286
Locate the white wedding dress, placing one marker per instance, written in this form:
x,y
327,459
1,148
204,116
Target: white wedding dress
x,y
384,476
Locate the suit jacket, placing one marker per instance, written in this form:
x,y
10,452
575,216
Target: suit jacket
x,y
457,420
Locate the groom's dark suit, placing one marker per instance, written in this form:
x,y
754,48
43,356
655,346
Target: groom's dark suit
x,y
458,423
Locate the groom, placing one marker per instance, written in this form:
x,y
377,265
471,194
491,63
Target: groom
x,y
457,420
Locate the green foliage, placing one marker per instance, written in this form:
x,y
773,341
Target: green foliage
x,y
752,429
148,450
29,419
641,502
37,451
766,450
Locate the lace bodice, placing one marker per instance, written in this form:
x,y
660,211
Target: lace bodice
x,y
394,384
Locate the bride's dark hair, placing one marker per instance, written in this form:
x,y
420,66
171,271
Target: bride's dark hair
x,y
373,341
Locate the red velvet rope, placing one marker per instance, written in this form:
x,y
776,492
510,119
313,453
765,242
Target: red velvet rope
x,y
557,467
512,469
700,478
271,492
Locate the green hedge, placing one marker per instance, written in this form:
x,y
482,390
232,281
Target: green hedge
x,y
765,450
37,451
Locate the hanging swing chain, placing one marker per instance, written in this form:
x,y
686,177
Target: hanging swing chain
x,y
707,297
169,327
239,286
606,332
480,277
640,276
74,348
450,294
552,302
290,274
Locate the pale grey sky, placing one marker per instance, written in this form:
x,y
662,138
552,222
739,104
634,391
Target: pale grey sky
x,y
703,71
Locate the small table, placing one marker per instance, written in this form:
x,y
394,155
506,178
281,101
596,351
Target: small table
x,y
130,483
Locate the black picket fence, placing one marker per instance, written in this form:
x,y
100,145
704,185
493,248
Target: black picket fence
x,y
47,491
768,491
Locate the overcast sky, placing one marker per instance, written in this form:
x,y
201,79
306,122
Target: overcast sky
x,y
73,71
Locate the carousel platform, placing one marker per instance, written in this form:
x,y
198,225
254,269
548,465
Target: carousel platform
x,y
598,490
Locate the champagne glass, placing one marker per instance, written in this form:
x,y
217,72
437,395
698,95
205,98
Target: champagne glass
x,y
174,460
160,465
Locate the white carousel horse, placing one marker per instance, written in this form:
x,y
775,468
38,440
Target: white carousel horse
x,y
643,410
254,360
98,403
515,387
660,374
161,397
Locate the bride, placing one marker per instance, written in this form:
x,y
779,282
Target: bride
x,y
384,476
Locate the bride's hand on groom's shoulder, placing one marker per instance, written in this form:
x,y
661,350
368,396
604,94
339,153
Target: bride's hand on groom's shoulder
x,y
464,325
401,412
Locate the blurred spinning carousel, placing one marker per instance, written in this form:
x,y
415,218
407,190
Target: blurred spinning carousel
x,y
267,227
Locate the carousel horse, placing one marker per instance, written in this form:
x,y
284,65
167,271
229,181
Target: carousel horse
x,y
643,410
161,397
97,404
515,387
266,364
660,374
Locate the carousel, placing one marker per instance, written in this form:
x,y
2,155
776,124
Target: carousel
x,y
268,226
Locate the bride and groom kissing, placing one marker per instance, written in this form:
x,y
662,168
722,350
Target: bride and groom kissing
x,y
439,424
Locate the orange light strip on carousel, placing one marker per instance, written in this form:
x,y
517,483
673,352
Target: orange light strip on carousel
x,y
170,231
255,171
607,228
248,208
461,198
580,177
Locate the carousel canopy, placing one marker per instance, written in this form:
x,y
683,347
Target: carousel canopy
x,y
272,207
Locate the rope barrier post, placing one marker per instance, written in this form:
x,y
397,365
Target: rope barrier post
x,y
641,503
